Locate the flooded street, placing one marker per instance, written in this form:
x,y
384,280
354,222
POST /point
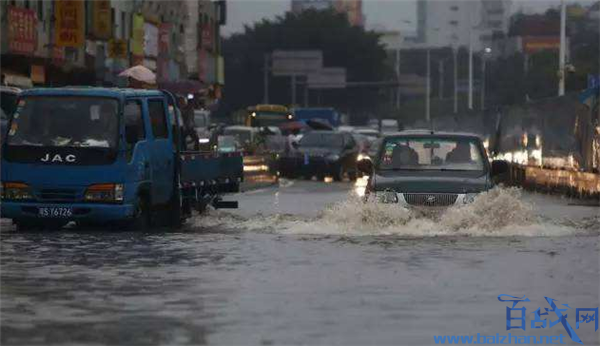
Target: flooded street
x,y
279,271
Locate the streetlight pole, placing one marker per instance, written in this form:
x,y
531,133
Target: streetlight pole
x,y
266,79
398,73
441,79
455,58
561,67
428,89
483,63
470,105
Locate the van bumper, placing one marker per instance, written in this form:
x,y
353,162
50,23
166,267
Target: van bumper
x,y
86,212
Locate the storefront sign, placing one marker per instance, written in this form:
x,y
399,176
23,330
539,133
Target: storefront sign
x,y
533,44
117,49
102,20
150,40
70,23
137,37
206,37
21,30
38,74
164,31
202,65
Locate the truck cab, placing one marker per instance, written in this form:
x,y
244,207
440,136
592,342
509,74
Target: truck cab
x,y
97,155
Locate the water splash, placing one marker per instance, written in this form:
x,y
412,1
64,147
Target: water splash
x,y
498,212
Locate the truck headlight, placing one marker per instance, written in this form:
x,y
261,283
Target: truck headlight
x,y
469,198
16,191
104,193
333,157
387,197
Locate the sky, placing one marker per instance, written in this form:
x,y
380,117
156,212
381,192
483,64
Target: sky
x,y
389,14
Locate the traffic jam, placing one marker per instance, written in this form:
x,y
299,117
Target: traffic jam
x,y
299,172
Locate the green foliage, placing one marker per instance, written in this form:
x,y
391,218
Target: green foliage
x,y
343,45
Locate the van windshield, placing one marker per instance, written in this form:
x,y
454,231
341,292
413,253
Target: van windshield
x,y
78,122
431,153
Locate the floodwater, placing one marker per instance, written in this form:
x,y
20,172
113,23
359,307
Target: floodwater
x,y
304,264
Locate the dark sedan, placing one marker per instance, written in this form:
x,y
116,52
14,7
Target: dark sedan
x,y
430,169
323,153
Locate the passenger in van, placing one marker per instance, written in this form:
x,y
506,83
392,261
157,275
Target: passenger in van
x,y
403,156
460,154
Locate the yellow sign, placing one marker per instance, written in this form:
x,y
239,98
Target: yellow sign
x,y
70,23
117,49
137,37
102,20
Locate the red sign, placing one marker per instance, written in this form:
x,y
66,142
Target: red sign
x,y
206,37
22,33
164,31
202,65
533,44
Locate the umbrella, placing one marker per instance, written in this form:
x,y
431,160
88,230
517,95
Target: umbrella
x,y
293,126
319,124
140,73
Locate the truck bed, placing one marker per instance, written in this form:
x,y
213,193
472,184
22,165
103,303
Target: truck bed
x,y
209,168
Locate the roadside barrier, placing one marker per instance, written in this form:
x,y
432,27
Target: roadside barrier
x,y
571,183
259,171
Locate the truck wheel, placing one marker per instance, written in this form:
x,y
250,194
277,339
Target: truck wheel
x,y
338,174
141,220
177,205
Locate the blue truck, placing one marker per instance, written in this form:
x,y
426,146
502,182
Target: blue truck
x,y
328,115
107,156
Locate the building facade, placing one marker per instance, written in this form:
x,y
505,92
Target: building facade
x,y
352,8
77,42
452,23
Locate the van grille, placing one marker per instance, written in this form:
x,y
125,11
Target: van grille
x,y
58,195
430,199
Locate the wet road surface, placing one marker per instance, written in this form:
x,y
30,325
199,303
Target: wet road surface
x,y
215,282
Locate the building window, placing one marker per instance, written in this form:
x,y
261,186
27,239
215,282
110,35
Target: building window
x,y
27,5
181,28
40,10
454,8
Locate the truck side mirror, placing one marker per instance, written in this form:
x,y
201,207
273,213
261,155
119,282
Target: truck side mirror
x,y
131,134
365,166
499,167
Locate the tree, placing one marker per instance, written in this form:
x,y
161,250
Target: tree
x,y
343,45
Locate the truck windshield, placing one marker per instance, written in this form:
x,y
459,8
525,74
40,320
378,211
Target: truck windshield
x,y
65,122
431,153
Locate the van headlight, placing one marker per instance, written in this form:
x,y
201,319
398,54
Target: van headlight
x,y
16,191
107,193
387,197
469,198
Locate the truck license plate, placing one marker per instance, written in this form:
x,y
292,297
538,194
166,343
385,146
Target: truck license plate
x,y
55,212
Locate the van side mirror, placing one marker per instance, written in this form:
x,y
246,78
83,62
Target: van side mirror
x,y
365,166
499,168
131,134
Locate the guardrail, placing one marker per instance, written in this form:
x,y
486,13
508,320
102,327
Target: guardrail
x,y
259,171
570,183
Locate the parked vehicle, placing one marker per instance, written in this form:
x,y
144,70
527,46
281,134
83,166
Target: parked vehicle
x,y
96,155
430,169
323,153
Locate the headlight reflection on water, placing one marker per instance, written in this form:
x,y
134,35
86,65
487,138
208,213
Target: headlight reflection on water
x,y
360,185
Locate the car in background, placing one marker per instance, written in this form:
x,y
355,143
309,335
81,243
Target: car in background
x,y
245,136
369,132
8,101
323,153
430,169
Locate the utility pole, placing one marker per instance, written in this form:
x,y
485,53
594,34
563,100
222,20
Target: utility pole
x,y
441,79
455,57
293,90
266,79
483,63
428,89
398,73
561,67
470,105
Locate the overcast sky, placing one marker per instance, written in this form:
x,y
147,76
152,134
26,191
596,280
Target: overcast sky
x,y
390,14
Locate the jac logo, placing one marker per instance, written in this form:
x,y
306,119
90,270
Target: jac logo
x,y
58,158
